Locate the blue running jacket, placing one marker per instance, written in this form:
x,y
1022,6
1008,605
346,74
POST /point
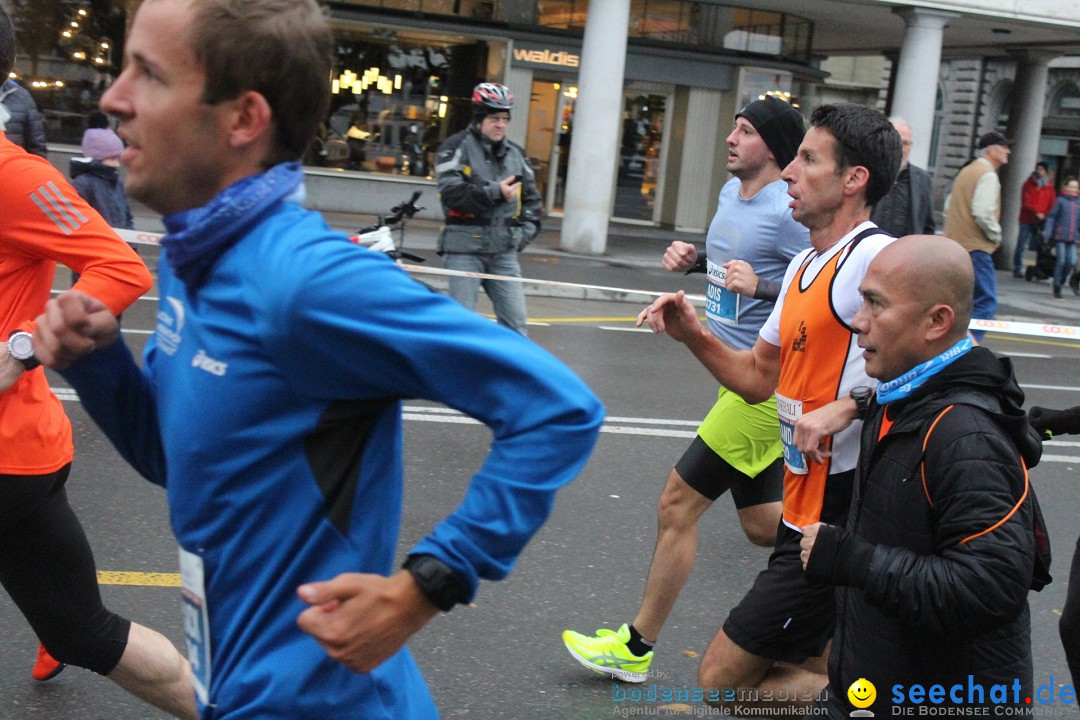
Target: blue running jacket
x,y
269,406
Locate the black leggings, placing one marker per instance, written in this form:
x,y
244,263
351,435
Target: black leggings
x,y
47,568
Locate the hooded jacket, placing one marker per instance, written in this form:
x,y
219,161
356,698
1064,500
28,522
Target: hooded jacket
x,y
1063,222
933,575
469,168
100,186
20,119
1036,196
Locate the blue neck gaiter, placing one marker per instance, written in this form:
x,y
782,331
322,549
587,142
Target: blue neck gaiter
x,y
915,378
195,238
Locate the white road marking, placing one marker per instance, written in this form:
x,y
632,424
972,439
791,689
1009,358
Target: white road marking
x,y
420,413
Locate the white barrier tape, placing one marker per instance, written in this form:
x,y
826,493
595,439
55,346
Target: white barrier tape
x,y
150,238
1001,326
696,299
138,237
1022,328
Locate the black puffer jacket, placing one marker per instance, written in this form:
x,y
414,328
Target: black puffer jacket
x,y
24,125
931,589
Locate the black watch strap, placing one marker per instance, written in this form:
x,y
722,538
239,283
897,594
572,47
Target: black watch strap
x,y
30,363
442,586
861,395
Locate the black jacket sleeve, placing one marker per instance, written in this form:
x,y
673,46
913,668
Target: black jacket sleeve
x,y
35,133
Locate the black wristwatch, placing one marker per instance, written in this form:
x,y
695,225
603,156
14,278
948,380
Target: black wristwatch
x,y
443,587
861,395
21,347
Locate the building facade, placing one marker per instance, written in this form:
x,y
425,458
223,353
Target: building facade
x,y
405,70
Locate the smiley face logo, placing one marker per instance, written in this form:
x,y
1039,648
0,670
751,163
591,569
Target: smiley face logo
x,y
862,693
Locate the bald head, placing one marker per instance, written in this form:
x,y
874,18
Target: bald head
x,y
936,271
917,296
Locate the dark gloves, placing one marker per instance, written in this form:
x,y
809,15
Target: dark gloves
x,y
700,265
1049,422
839,558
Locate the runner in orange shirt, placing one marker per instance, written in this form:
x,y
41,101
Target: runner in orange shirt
x,y
46,564
770,651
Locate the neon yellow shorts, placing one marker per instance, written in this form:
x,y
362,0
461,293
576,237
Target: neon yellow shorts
x,y
746,436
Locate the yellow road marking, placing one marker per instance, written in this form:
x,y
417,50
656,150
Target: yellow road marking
x,y
1032,341
114,577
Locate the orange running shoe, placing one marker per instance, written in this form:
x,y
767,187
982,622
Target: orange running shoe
x,y
47,667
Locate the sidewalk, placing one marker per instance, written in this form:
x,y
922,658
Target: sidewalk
x,y
632,261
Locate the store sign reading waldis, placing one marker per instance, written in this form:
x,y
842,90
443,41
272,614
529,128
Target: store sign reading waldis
x,y
560,58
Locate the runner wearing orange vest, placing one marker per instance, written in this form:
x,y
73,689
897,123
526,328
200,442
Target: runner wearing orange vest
x,y
772,646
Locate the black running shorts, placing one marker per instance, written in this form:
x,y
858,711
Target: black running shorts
x,y
708,473
784,617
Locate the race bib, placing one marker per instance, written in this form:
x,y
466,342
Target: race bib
x,y
721,304
789,411
196,622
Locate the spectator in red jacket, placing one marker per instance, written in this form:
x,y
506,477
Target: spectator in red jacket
x,y
1036,198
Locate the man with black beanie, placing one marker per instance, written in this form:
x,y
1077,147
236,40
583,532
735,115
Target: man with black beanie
x,y
492,208
750,242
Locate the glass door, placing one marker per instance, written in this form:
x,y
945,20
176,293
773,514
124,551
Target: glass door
x,y
639,184
551,120
560,149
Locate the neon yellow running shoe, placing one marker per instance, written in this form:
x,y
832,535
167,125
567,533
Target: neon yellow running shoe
x,y
607,654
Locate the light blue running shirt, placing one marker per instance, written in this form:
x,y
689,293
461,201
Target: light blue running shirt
x,y
760,231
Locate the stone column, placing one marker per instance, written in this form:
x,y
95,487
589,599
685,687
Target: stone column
x,y
590,176
1024,126
915,91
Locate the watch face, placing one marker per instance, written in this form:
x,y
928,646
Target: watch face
x,y
21,346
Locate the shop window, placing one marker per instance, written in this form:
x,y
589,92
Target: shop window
x,y
395,98
699,23
667,20
476,9
565,14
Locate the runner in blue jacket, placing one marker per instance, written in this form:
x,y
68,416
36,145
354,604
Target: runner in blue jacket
x,y
269,401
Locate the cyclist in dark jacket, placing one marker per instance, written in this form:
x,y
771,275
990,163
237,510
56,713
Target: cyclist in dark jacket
x,y
20,119
935,562
488,192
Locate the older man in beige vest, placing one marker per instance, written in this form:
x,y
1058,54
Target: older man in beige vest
x,y
973,214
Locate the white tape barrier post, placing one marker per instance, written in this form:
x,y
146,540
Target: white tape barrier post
x,y
1001,326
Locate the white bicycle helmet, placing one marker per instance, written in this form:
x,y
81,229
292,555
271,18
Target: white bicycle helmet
x,y
492,97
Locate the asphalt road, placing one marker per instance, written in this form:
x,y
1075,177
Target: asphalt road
x,y
584,570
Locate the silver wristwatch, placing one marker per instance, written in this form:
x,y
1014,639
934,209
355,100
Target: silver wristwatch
x,y
21,347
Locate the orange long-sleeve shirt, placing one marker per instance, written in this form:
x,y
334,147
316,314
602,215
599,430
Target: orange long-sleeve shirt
x,y
44,221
